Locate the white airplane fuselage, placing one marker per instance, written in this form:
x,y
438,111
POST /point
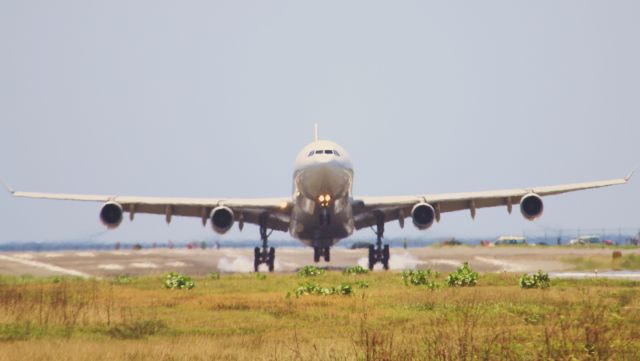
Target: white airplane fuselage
x,y
322,184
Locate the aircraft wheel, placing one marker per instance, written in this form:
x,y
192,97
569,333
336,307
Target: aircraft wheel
x,y
316,254
256,258
327,254
385,257
271,259
372,259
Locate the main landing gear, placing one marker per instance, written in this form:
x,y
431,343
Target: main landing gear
x,y
379,253
266,254
321,252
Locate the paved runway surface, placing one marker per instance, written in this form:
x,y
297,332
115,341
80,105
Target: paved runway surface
x,y
198,262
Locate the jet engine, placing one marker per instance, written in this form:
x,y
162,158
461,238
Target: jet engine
x,y
221,219
111,215
423,215
531,206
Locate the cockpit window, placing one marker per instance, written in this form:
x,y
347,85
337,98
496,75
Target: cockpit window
x,y
326,151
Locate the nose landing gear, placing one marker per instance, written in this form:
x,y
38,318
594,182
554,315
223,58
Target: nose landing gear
x,y
323,252
379,253
266,254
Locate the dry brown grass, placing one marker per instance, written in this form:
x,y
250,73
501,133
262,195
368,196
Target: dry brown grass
x,y
243,318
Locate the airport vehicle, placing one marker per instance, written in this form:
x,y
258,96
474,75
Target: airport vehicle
x,y
322,209
585,240
510,241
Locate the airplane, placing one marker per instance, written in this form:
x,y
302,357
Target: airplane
x,y
322,209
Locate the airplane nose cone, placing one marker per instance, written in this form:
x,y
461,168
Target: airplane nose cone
x,y
326,178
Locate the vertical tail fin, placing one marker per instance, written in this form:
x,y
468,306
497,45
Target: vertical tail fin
x,y
315,132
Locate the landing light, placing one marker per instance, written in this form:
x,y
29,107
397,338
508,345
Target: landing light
x,y
324,200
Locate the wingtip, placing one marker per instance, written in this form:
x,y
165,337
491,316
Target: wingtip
x,y
6,186
628,177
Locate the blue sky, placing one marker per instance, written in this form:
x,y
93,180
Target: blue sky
x,y
215,98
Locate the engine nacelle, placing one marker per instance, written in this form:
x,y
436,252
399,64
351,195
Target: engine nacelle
x,y
423,215
531,206
221,219
111,215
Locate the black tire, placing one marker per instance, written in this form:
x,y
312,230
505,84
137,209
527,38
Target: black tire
x,y
327,254
385,257
256,258
271,259
372,260
316,254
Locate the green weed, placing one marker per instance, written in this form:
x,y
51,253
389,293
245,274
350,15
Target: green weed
x,y
536,280
418,277
310,271
355,270
464,276
177,281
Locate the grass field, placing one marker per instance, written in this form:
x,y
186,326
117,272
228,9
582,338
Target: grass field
x,y
250,317
589,263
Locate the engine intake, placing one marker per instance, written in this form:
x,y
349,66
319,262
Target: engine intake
x,y
423,215
221,219
531,206
111,215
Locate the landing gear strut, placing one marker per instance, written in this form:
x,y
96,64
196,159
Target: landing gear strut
x,y
266,254
321,252
379,253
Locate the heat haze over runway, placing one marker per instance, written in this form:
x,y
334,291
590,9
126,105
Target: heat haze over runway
x,y
228,260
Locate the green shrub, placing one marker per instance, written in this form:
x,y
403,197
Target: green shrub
x,y
464,276
308,288
310,271
355,270
312,288
345,289
175,280
432,285
536,280
419,277
123,279
362,284
214,275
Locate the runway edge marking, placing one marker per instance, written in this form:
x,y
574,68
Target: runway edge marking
x,y
46,266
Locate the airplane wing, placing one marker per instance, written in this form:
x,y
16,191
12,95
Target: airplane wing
x,y
274,211
366,209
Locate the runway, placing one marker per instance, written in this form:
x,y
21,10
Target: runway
x,y
228,260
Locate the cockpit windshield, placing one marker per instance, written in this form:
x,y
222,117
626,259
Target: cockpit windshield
x,y
325,151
